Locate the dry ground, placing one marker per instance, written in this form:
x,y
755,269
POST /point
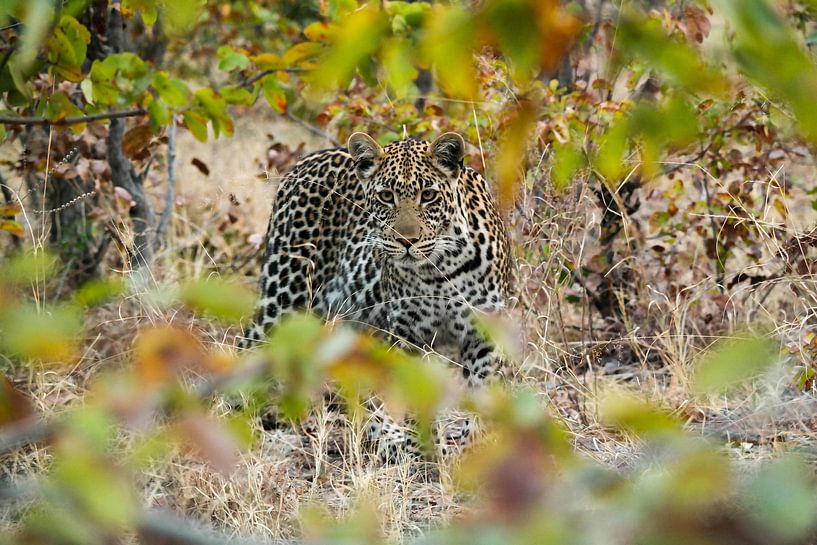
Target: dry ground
x,y
568,353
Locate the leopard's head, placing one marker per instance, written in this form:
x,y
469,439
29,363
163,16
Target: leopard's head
x,y
410,194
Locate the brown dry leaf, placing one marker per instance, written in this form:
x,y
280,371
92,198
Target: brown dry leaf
x,y
136,140
14,405
125,196
162,354
66,171
201,165
697,23
10,210
83,169
209,441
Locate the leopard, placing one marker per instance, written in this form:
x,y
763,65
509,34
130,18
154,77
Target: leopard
x,y
403,239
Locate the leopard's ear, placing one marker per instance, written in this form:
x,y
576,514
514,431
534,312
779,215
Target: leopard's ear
x,y
447,152
366,152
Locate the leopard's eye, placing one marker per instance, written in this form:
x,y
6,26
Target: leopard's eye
x,y
386,196
429,195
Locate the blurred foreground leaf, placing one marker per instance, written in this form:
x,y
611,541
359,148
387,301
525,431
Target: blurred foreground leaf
x,y
209,440
353,44
733,362
783,497
224,299
29,267
628,412
165,354
50,334
770,54
14,405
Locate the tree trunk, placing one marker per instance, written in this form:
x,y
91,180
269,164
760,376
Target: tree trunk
x,y
122,172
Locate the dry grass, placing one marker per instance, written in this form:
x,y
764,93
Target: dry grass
x,y
570,354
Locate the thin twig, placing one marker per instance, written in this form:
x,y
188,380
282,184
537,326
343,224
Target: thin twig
x,y
264,73
7,120
170,196
312,128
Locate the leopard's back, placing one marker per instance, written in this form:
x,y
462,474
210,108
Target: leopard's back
x,y
315,209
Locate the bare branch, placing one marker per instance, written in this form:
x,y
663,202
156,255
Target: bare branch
x,y
6,120
156,526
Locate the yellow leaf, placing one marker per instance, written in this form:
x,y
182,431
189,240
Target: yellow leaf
x,y
511,156
319,31
163,354
449,41
267,61
353,45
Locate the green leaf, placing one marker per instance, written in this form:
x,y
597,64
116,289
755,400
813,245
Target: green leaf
x,y
567,160
609,157
180,16
397,62
60,107
235,94
413,13
119,79
196,124
67,47
171,90
293,349
48,335
645,39
783,499
341,8
36,19
230,59
147,8
274,94
158,113
95,292
215,108
625,411
770,54
223,299
516,29
89,477
672,123
19,77
29,267
87,87
732,362
418,385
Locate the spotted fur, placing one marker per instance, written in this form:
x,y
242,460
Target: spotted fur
x,y
405,239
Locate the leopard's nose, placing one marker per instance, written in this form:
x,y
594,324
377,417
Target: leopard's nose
x,y
407,242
